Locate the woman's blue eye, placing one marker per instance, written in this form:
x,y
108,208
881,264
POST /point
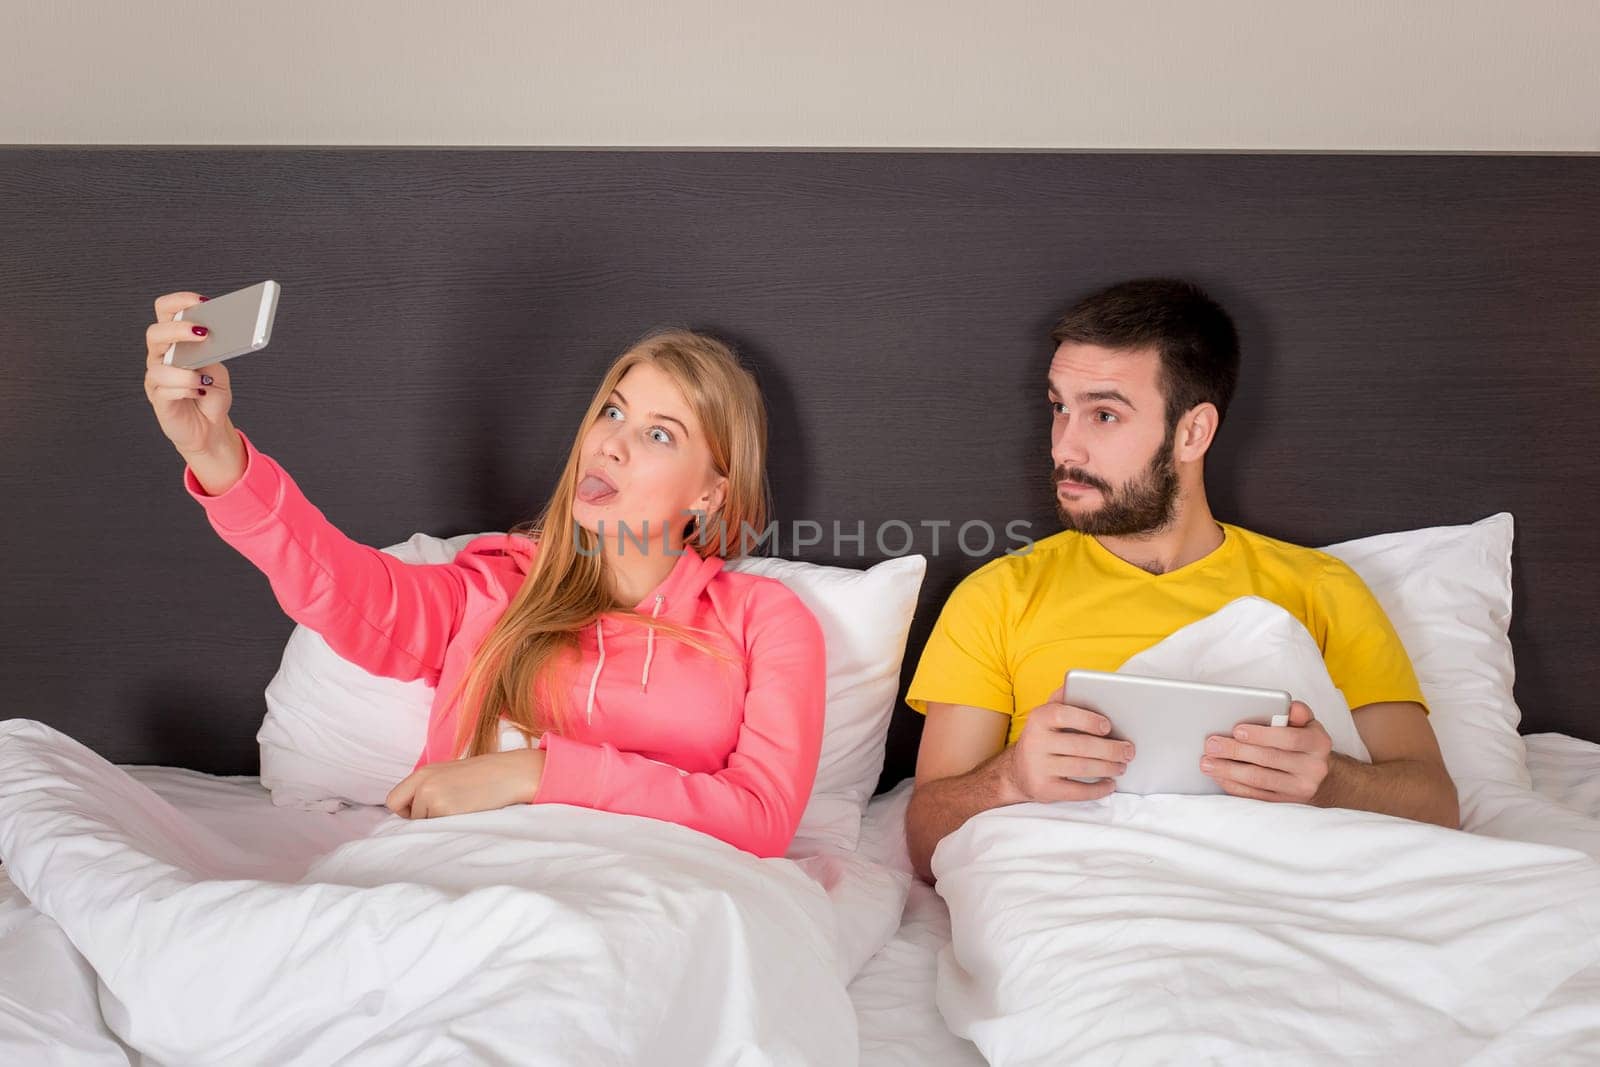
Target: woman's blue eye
x,y
606,411
665,438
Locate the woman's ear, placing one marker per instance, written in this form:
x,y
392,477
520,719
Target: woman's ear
x,y
714,497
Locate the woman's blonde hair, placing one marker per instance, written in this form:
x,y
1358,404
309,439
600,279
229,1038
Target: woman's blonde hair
x,y
519,671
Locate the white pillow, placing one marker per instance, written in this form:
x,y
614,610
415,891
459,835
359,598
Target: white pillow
x,y
865,616
334,733
1447,590
1252,641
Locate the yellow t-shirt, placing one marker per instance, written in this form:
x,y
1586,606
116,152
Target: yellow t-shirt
x,y
1014,626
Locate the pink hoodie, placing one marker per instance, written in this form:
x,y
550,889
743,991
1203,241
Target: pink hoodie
x,y
666,731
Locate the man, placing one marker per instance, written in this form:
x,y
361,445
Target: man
x,y
1138,385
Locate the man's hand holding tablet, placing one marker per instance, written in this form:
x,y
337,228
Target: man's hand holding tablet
x,y
1285,762
1064,753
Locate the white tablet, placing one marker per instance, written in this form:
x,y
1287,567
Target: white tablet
x,y
1168,722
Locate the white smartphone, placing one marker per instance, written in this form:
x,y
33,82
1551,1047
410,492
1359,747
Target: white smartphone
x,y
237,323
1168,721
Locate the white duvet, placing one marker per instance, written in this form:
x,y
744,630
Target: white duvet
x,y
1179,929
1170,929
528,935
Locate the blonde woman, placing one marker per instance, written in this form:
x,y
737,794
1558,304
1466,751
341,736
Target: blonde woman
x,y
605,636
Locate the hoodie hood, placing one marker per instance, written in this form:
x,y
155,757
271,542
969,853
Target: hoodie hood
x,y
682,585
675,595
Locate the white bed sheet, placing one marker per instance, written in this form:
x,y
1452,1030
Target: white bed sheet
x,y
894,994
896,1017
1566,770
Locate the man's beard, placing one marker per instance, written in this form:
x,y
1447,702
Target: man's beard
x,y
1142,505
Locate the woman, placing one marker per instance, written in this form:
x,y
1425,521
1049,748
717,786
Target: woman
x,y
631,671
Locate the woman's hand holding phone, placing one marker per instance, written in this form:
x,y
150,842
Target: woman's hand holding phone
x,y
192,405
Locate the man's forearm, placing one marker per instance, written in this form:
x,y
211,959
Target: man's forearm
x,y
941,806
1410,789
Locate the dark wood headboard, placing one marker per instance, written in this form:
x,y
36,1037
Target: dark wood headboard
x,y
1421,339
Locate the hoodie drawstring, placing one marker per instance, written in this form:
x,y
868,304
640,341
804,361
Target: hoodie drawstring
x,y
600,640
594,680
650,644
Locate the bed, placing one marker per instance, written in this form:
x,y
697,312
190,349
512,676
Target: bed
x,y
49,1003
1418,330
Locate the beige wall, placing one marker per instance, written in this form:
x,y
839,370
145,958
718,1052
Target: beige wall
x,y
1446,75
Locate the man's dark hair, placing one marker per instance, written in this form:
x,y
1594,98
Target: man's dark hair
x,y
1198,345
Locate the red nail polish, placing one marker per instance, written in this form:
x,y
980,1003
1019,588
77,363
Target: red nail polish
x,y
202,392
203,299
199,331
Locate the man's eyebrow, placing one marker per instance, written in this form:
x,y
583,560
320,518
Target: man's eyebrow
x,y
654,414
1096,394
1108,394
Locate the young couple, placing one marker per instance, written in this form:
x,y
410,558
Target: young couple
x,y
654,682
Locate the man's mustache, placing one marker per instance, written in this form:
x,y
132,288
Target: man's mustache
x,y
1077,474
